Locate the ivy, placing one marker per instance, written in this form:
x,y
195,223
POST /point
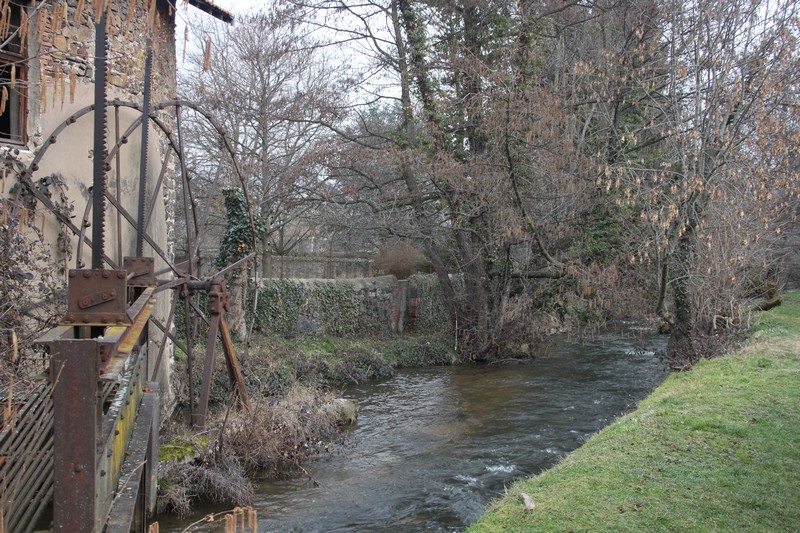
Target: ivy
x,y
279,304
240,237
339,307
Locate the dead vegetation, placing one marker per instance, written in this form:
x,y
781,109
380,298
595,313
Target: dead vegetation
x,y
275,439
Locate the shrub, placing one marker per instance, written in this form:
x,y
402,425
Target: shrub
x,y
401,260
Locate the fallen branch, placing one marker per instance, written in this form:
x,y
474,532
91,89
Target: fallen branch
x,y
766,305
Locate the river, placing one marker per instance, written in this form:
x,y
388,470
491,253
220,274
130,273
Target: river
x,y
434,445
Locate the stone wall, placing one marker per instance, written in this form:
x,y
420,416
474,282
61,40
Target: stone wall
x,y
349,307
317,267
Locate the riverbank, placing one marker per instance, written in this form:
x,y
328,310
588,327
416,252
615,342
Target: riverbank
x,y
716,448
296,416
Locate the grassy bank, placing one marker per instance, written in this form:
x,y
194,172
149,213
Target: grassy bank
x,y
713,449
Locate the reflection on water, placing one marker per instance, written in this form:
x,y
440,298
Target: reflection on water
x,y
433,446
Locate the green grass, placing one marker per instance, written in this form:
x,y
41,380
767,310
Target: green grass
x,y
713,449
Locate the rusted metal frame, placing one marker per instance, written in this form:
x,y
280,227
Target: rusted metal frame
x,y
76,432
156,322
63,219
187,204
236,265
139,473
117,179
187,321
234,370
140,271
217,305
164,285
96,297
229,147
162,348
28,468
85,223
100,148
140,226
39,480
176,266
27,425
10,433
152,205
199,419
156,248
46,496
124,344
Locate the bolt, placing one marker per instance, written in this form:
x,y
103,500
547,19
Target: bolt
x,y
120,275
77,469
72,273
102,473
70,318
87,274
109,453
104,320
106,274
85,320
116,432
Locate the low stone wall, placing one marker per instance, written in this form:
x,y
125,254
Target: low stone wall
x,y
349,307
317,267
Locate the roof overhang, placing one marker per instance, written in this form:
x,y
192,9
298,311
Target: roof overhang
x,y
211,9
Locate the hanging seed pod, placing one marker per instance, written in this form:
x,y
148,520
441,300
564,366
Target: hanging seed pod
x,y
131,9
3,100
63,89
207,56
151,14
13,81
44,93
79,11
23,30
185,41
5,20
41,26
98,8
55,89
56,24
73,80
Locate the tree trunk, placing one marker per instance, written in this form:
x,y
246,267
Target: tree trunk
x,y
681,350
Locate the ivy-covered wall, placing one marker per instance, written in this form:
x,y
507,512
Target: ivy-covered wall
x,y
342,307
432,312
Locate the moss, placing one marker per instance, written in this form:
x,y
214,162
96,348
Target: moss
x,y
338,307
279,304
182,449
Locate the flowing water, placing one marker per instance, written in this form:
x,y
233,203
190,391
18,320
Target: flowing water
x,y
434,445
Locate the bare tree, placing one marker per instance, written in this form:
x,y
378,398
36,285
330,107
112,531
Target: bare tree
x,y
272,88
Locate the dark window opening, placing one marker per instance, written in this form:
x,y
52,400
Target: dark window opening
x,y
13,76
